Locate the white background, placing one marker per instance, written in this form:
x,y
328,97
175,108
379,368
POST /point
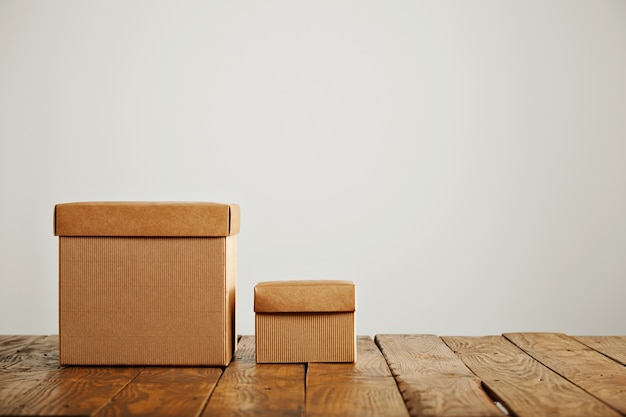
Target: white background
x,y
464,162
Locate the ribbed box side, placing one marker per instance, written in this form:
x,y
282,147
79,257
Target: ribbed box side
x,y
142,350
230,299
143,301
305,337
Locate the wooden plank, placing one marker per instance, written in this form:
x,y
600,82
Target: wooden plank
x,y
21,353
27,363
66,391
583,366
177,391
523,385
432,379
11,348
612,346
364,388
37,385
248,389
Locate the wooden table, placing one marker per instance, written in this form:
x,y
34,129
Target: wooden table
x,y
522,374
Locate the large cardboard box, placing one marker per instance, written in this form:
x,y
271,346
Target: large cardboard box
x,y
305,321
147,283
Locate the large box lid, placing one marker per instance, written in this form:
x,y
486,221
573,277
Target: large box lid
x,y
304,296
176,219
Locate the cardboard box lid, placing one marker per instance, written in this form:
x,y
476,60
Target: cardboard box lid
x,y
304,296
146,219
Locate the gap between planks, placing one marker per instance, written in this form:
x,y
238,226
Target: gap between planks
x,y
433,380
364,388
33,383
533,374
525,386
595,372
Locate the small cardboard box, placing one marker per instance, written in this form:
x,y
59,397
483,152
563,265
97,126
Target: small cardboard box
x,y
147,283
305,321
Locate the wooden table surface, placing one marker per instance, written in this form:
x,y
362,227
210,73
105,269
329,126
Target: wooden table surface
x,y
518,374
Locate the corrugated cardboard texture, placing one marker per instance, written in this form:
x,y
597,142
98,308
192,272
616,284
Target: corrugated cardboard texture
x,y
230,329
304,296
305,337
146,219
147,301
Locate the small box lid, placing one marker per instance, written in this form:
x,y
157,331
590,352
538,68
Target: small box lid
x,y
177,219
304,296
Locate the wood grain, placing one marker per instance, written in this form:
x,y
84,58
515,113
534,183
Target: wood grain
x,y
26,360
23,353
364,388
434,381
592,371
612,346
532,374
11,348
250,389
37,385
69,391
181,391
523,385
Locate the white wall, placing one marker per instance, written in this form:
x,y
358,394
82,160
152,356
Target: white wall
x,y
464,162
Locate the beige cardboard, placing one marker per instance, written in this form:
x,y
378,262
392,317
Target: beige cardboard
x,y
146,219
305,321
147,300
305,337
302,296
